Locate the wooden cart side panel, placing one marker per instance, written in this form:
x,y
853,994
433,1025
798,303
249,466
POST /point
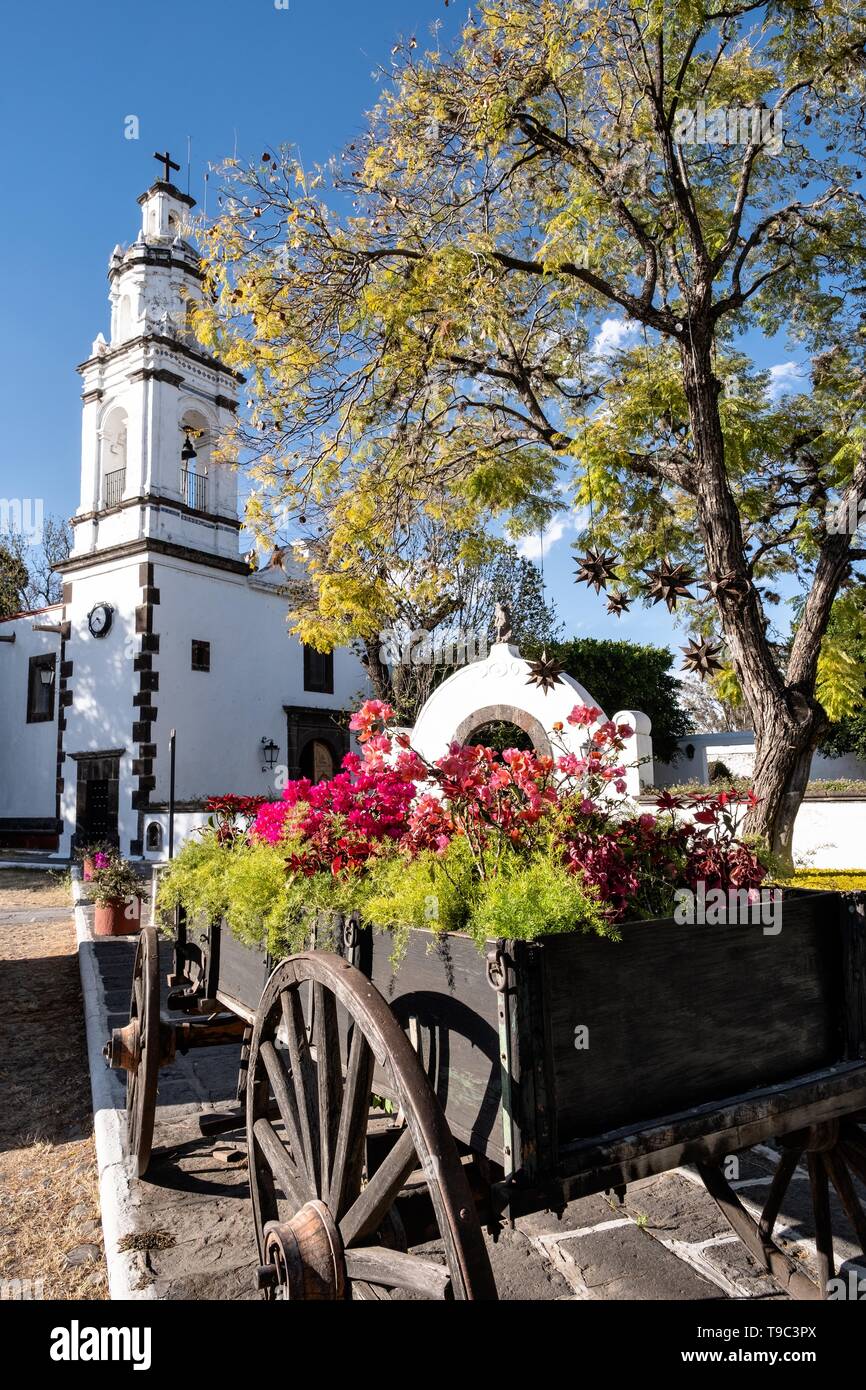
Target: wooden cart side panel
x,y
441,997
852,908
243,970
536,1129
677,1014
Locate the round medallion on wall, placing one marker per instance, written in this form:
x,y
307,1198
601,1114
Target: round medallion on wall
x,y
99,619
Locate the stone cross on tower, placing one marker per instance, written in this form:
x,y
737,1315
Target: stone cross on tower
x,y
169,163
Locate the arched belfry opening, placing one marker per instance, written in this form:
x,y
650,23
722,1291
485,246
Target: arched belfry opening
x,y
195,454
113,458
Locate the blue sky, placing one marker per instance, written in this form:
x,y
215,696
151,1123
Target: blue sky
x,y
72,74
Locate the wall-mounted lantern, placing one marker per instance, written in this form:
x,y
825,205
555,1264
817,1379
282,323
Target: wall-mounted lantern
x,y
46,675
269,753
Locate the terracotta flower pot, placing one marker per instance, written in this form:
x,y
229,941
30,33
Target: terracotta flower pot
x,y
87,870
117,917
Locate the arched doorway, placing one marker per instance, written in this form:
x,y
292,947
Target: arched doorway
x,y
318,760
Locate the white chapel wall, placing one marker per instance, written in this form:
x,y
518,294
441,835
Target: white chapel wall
x,y
28,752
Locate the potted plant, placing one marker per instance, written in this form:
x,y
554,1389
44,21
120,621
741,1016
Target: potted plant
x,y
117,894
94,856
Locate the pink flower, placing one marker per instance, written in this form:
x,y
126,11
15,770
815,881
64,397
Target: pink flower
x,y
372,713
584,715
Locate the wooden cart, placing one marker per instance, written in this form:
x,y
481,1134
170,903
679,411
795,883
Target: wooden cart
x,y
387,1109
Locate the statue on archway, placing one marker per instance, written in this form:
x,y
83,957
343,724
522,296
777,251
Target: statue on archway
x,y
502,622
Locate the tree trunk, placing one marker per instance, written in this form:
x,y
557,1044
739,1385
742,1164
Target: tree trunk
x,y
380,676
784,744
787,721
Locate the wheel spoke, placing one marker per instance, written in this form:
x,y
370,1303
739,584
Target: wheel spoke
x,y
823,1224
779,1186
368,1211
396,1270
315,1152
780,1265
288,1114
369,1293
855,1160
841,1179
854,1136
303,1081
275,1154
329,1079
351,1131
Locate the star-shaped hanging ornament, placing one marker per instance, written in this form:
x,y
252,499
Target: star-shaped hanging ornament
x,y
670,583
546,672
596,568
726,585
618,602
702,657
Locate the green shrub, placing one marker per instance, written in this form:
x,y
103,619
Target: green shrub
x,y
433,891
528,897
535,899
261,908
195,879
266,906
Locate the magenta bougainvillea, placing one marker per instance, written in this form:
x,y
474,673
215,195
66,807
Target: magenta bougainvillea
x,y
387,797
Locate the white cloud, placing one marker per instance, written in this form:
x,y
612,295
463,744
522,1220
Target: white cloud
x,y
530,547
784,377
613,335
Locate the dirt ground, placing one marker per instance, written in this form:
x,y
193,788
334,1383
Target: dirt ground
x,y
33,888
50,1231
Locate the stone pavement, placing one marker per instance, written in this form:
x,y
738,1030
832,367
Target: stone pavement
x,y
193,1238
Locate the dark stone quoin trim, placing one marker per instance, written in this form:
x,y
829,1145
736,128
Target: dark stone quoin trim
x,y
144,711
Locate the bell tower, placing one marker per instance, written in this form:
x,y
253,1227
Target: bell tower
x,y
155,403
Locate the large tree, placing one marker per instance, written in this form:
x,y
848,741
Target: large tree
x,y
45,584
13,577
418,318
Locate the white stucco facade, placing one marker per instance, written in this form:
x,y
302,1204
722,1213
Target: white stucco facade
x,y
699,753
28,747
162,625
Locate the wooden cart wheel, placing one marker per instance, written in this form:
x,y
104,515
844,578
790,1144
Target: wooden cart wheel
x,y
833,1151
322,1232
144,1050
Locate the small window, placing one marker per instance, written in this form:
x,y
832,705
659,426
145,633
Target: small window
x,y
318,671
40,689
153,840
200,656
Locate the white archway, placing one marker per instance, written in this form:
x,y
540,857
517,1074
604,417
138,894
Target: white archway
x,y
499,688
